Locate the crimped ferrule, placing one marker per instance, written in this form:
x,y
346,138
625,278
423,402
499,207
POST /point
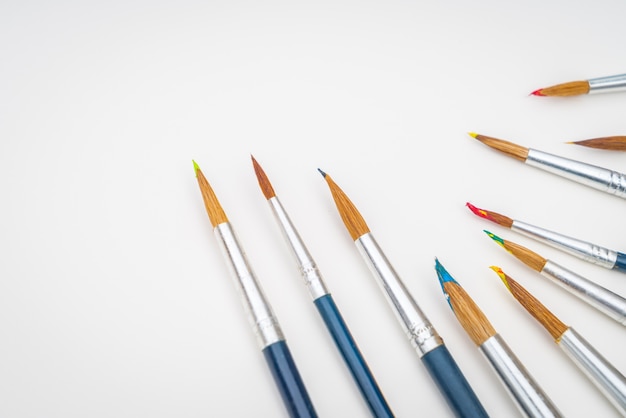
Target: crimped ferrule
x,y
606,377
611,304
259,311
585,250
308,269
531,399
599,178
607,84
418,328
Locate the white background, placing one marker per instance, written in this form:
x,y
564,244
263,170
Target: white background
x,y
114,298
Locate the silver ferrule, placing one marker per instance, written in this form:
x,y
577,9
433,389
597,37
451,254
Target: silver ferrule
x,y
599,178
418,328
258,310
587,251
306,264
530,398
609,303
606,377
607,84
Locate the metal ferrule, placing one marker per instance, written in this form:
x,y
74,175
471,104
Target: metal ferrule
x,y
601,298
531,399
306,264
259,311
610,381
607,84
582,249
590,175
418,328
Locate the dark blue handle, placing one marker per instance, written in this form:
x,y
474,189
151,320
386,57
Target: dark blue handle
x,y
451,382
288,380
620,263
352,356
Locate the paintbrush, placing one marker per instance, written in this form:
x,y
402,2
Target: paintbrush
x,y
611,143
259,312
590,175
606,301
324,302
422,335
587,251
603,374
607,84
529,397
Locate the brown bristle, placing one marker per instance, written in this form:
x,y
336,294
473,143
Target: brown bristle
x,y
471,318
550,322
351,217
573,88
212,205
491,216
264,183
526,256
613,143
512,150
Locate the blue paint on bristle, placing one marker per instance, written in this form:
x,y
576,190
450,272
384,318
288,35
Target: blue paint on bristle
x,y
321,172
444,276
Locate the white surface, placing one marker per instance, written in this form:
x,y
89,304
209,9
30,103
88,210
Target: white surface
x,y
114,299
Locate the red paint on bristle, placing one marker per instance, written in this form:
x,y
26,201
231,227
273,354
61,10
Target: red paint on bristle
x,y
537,92
478,211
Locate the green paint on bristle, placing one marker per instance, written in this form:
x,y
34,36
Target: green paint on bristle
x,y
496,238
500,273
196,167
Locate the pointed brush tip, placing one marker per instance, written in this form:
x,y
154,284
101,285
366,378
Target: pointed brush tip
x,y
472,134
538,92
321,172
442,273
473,208
494,237
196,167
443,277
502,276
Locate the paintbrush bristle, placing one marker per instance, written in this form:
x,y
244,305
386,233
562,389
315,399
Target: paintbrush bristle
x,y
512,150
211,204
351,217
572,88
491,216
469,315
547,319
611,143
264,183
526,256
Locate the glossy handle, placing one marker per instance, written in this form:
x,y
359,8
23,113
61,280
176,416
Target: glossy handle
x,y
288,380
352,356
452,383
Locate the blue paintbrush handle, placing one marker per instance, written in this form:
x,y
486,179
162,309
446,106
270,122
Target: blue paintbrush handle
x,y
452,383
352,356
288,380
620,263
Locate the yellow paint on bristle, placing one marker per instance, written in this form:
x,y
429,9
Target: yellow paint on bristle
x,y
500,273
196,167
472,134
